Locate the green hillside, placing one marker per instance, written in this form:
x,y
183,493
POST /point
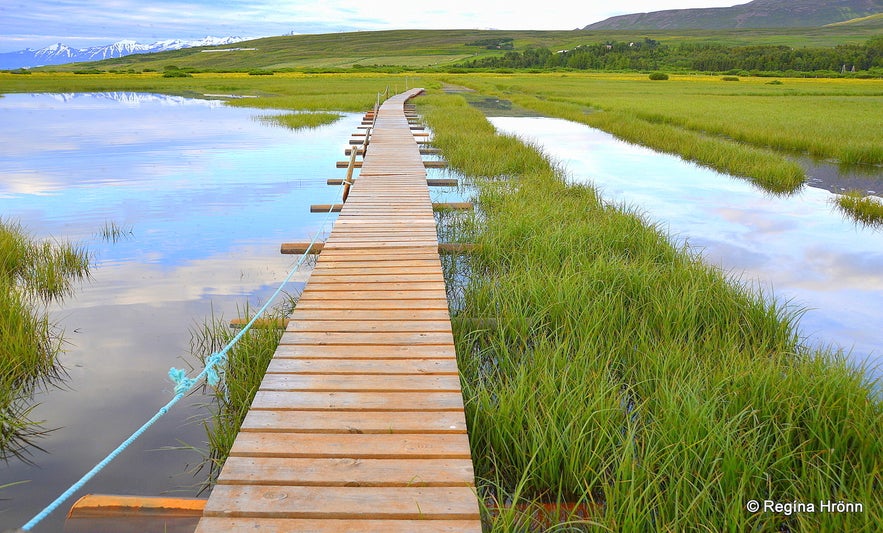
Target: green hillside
x,y
431,48
756,14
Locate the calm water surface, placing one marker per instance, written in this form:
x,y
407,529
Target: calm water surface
x,y
208,193
799,248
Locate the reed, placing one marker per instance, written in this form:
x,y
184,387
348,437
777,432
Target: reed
x,y
242,375
604,367
113,232
33,274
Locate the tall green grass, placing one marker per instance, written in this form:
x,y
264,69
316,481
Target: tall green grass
x,y
33,274
242,375
602,365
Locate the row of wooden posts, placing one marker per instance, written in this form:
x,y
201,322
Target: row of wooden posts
x,y
362,140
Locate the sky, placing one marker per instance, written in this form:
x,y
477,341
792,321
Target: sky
x,y
83,23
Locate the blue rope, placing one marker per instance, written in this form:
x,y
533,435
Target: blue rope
x,y
212,372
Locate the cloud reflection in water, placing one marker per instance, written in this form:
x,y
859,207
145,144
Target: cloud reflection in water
x,y
799,248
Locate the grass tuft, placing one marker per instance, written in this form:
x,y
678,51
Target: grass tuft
x,y
300,121
867,210
32,275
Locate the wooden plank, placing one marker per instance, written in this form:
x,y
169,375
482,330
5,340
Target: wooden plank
x,y
347,302
347,472
395,296
358,401
363,366
343,351
271,525
385,422
351,445
361,314
358,382
384,326
402,503
368,338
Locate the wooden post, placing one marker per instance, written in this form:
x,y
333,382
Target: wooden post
x,y
450,206
442,182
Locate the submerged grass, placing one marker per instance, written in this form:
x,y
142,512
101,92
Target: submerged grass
x,y
32,275
603,366
867,210
113,232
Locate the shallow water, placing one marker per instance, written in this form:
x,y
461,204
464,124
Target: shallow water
x,y
204,194
798,248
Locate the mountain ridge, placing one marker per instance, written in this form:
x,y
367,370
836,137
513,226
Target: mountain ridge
x,y
755,14
60,54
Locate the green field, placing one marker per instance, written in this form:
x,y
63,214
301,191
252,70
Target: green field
x,y
437,48
743,128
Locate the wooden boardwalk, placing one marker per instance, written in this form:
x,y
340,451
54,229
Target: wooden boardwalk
x,y
358,425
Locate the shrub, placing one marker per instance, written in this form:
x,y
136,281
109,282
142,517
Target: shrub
x,y
176,74
730,78
260,72
659,76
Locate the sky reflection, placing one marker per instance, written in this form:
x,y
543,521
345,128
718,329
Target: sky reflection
x,y
799,248
204,194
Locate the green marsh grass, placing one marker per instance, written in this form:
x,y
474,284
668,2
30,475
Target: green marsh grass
x,y
300,121
603,366
865,209
33,274
246,364
741,129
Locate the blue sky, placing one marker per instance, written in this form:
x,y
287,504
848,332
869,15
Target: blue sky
x,y
82,23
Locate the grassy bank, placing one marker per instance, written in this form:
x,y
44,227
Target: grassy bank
x,y
292,91
739,128
33,274
626,375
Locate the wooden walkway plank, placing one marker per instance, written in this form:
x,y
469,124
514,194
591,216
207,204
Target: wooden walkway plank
x,y
270,525
411,422
358,424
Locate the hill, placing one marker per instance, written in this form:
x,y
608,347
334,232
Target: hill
x,y
756,14
417,49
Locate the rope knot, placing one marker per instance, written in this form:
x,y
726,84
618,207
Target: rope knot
x,y
182,382
213,376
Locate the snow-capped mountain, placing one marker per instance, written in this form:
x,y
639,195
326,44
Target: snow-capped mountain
x,y
58,54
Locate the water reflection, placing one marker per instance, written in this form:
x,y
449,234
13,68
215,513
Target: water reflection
x,y
799,248
208,194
